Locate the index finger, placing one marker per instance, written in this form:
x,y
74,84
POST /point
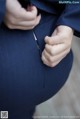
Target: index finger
x,y
53,40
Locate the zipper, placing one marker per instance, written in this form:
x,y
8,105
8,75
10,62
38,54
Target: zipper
x,y
37,43
38,47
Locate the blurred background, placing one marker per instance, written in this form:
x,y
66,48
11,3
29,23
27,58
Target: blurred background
x,y
66,103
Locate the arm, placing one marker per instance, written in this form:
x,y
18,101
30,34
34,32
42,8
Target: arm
x,y
2,9
71,17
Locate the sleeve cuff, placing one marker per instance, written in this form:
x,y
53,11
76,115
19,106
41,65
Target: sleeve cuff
x,y
71,18
71,25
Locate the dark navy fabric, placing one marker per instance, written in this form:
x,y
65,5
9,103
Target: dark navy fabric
x,y
46,6
24,80
71,17
2,9
69,14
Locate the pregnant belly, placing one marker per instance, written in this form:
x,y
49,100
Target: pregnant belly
x,y
24,80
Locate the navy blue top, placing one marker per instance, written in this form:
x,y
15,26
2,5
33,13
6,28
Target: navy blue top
x,y
24,80
69,13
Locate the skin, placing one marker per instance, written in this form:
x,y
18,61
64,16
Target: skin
x,y
17,17
57,46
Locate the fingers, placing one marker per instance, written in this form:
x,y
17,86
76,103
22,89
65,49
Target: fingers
x,y
55,49
34,11
53,40
30,23
57,46
16,17
24,25
53,60
19,27
60,35
14,23
46,62
28,15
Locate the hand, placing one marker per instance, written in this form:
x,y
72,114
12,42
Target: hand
x,y
17,17
57,46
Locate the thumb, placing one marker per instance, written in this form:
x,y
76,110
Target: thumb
x,y
52,40
55,32
33,9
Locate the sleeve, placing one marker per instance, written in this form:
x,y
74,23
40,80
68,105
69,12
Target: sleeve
x,y
71,17
2,9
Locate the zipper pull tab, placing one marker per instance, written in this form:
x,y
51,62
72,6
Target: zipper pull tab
x,y
36,40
